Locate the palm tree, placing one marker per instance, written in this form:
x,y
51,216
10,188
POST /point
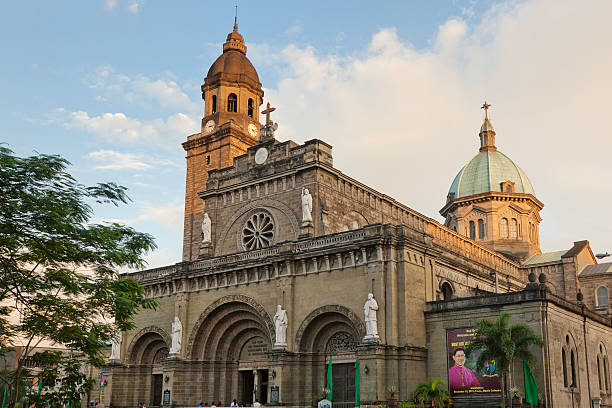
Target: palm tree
x,y
504,344
431,391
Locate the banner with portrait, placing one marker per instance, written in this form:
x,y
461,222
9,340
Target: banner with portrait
x,y
463,376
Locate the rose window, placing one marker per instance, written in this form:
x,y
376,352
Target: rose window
x,y
258,232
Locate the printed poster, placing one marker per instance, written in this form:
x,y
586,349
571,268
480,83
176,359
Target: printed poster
x,y
463,377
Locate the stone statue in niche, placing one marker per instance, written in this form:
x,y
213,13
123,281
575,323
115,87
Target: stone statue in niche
x,y
206,228
177,336
306,206
280,324
115,349
369,309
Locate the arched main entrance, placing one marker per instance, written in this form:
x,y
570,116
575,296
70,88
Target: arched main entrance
x,y
231,339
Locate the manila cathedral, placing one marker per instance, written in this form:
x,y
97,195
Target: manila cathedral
x,y
291,268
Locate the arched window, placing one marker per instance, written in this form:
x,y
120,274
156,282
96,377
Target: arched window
x,y
606,371
250,108
214,104
504,228
602,296
232,103
447,291
599,373
573,368
513,228
481,230
564,362
472,230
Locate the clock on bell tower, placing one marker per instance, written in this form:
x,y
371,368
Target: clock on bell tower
x,y
232,95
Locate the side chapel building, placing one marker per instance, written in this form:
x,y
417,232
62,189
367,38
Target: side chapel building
x,y
260,252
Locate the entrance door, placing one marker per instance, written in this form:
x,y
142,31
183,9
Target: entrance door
x,y
157,389
343,377
248,383
263,386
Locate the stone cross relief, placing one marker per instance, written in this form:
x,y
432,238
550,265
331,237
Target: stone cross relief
x,y
369,309
267,130
280,325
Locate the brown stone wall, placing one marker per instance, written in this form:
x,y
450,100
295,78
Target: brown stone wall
x,y
210,153
554,322
589,286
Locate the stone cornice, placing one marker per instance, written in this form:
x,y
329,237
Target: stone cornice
x,y
224,131
490,196
539,294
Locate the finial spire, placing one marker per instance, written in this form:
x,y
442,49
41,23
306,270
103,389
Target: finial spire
x,y
487,133
236,17
486,107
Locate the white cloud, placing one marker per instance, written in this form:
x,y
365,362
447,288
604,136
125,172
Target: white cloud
x,y
111,160
118,127
405,120
140,89
110,4
134,6
167,215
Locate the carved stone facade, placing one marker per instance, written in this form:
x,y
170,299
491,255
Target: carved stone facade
x,y
360,241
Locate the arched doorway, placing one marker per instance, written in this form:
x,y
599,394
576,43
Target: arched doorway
x,y
332,332
149,349
231,339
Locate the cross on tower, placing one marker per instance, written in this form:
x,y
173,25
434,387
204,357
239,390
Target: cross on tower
x,y
267,112
486,107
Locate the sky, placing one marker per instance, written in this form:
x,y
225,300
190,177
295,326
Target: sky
x,y
394,87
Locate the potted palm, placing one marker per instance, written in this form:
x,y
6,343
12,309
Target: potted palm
x,y
517,398
504,343
431,394
391,395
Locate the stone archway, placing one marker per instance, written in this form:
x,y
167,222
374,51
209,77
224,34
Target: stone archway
x,y
251,308
328,319
146,345
234,333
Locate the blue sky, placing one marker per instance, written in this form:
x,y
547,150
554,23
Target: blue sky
x,y
395,87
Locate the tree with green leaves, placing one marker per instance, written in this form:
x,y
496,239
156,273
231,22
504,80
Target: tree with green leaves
x,y
59,274
505,344
433,392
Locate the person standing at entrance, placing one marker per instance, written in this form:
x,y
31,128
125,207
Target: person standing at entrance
x,y
256,404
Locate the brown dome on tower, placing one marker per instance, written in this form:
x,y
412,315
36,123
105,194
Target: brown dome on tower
x,y
233,63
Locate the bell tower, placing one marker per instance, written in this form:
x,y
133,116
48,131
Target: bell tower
x,y
232,96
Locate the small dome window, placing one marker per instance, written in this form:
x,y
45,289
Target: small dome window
x,y
214,104
472,230
513,229
503,228
481,229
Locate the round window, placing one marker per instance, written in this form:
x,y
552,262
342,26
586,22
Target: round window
x,y
258,231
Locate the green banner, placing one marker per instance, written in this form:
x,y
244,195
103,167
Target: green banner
x,y
531,387
329,385
357,391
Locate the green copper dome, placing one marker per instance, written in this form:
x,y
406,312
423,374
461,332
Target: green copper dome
x,y
485,173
